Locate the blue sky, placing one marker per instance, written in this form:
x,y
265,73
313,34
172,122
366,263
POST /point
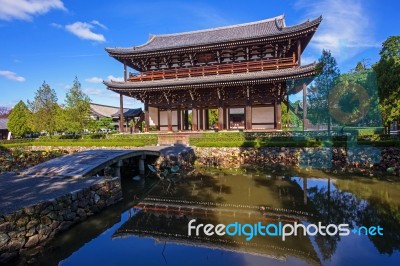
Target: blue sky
x,y
55,40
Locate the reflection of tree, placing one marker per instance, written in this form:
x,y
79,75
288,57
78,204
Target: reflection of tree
x,y
334,207
339,206
387,217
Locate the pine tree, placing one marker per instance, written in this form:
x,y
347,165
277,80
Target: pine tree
x,y
44,110
77,108
327,78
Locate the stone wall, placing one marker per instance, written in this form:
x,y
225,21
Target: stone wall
x,y
361,159
33,225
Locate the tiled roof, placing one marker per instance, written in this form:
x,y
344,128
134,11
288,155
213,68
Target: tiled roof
x,y
3,123
112,111
264,28
209,81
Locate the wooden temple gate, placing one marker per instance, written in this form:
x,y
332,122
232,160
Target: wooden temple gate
x,y
242,71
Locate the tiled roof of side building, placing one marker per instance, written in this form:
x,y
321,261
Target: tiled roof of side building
x,y
3,123
204,81
264,28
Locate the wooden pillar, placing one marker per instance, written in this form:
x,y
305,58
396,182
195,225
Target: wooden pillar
x,y
249,115
228,120
220,116
206,119
298,52
169,114
121,113
277,115
194,119
158,118
179,118
201,120
146,117
186,120
305,121
225,124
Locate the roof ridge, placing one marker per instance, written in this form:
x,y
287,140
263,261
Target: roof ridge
x,y
219,28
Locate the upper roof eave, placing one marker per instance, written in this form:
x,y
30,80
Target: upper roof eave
x,y
152,47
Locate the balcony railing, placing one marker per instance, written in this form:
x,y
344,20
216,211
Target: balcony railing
x,y
215,70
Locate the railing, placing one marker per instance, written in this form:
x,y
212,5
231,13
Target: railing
x,y
215,70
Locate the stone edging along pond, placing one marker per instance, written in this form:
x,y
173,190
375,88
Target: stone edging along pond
x,y
35,224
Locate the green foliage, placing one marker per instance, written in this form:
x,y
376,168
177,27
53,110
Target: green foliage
x,y
18,120
104,123
212,117
387,70
328,74
366,79
44,110
77,109
293,118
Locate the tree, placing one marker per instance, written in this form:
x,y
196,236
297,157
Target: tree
x,y
18,120
212,117
326,79
106,123
44,110
387,70
366,79
77,108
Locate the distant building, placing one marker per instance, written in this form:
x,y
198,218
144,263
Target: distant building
x,y
3,128
98,111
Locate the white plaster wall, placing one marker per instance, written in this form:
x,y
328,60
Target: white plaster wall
x,y
263,115
153,113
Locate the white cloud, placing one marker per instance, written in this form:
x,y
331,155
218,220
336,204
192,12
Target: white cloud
x,y
96,22
11,75
111,77
84,31
55,25
26,9
93,91
345,29
94,80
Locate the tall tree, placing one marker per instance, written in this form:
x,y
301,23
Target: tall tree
x,y
18,120
388,76
44,110
77,108
326,79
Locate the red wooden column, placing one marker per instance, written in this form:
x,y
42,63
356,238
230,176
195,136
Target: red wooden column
x,y
169,113
194,119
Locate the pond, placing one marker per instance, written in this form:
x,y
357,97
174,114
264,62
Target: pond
x,y
150,226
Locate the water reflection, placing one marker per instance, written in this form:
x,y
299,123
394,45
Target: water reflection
x,y
150,226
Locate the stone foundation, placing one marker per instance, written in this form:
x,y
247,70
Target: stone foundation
x,y
33,225
360,159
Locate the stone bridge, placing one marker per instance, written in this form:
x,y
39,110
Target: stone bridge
x,y
89,162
